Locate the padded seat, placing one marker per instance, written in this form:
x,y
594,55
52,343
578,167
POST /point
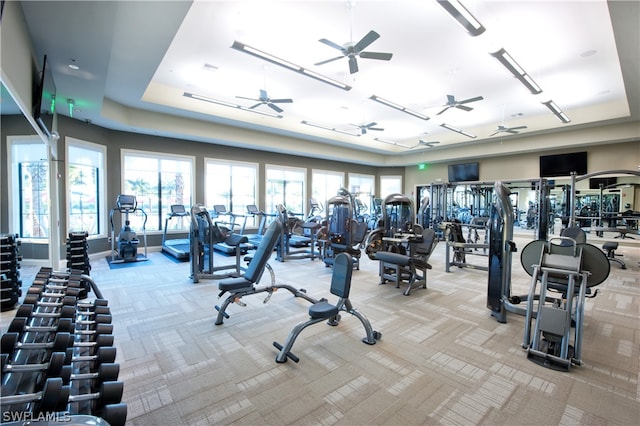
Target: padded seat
x,y
610,248
323,310
234,284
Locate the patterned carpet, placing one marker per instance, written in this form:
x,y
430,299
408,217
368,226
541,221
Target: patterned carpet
x,y
442,359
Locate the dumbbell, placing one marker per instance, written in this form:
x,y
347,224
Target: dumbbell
x,y
108,393
51,398
39,298
10,343
21,325
114,414
104,355
30,311
107,372
52,368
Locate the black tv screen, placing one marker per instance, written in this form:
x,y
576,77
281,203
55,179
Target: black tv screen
x,y
594,183
563,164
466,172
44,93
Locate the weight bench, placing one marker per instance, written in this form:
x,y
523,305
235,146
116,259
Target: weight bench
x,y
245,285
610,249
323,310
411,268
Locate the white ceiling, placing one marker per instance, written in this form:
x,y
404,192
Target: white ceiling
x,y
143,56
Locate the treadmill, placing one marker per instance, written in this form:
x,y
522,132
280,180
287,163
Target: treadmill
x,y
177,247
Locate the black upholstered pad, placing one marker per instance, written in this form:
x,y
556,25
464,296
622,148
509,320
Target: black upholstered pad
x,y
395,258
236,283
322,310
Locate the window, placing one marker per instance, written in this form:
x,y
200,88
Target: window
x,y
236,186
390,185
363,189
86,187
29,187
285,185
326,184
157,181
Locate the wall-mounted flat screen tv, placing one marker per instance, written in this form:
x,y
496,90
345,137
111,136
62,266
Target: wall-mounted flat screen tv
x,y
563,164
594,183
465,172
44,94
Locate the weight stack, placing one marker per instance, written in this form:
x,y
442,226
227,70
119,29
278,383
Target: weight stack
x,y
78,257
9,271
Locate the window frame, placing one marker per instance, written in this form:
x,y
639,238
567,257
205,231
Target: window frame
x,y
158,156
302,170
102,211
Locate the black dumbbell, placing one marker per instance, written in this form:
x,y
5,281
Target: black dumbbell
x,y
31,311
108,393
114,414
107,372
104,355
11,342
50,399
52,368
21,325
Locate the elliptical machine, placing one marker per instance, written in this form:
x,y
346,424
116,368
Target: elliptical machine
x,y
127,239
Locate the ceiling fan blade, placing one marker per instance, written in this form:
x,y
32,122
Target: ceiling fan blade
x,y
329,60
466,101
493,134
376,128
464,107
513,132
274,107
281,101
366,41
443,110
518,128
353,65
250,99
376,55
256,105
370,125
332,44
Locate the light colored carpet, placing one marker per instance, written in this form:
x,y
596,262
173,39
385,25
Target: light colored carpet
x,y
442,358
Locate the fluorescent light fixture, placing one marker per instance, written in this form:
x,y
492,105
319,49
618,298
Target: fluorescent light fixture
x,y
393,143
453,129
517,71
333,129
463,16
286,64
228,104
398,107
555,109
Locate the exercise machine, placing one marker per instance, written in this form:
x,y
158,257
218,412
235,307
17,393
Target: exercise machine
x,y
177,247
288,239
203,236
127,240
343,232
458,247
323,310
252,210
228,227
247,284
569,269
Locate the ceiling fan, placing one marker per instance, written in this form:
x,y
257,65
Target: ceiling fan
x,y
512,130
264,99
453,103
370,126
351,51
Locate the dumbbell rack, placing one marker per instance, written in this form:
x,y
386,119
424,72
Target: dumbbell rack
x,y
78,256
58,358
9,271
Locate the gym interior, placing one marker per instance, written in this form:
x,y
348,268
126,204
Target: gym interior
x,y
189,300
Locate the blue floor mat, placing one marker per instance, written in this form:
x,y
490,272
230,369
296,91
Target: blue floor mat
x,y
139,262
